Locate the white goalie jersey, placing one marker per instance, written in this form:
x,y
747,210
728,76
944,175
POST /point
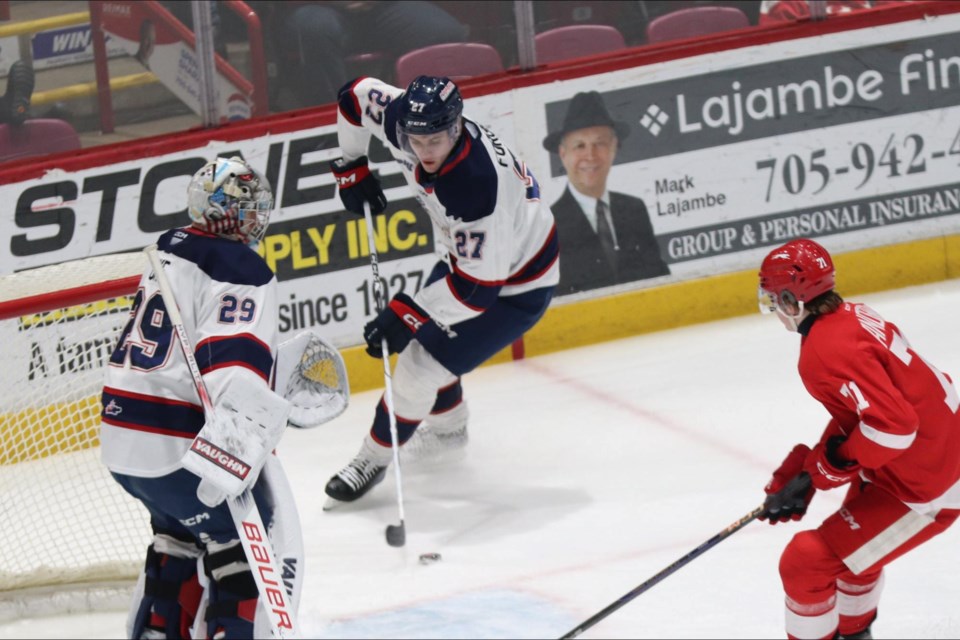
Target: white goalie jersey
x,y
151,412
483,202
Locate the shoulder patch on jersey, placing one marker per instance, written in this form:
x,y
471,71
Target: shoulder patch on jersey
x,y
221,259
467,187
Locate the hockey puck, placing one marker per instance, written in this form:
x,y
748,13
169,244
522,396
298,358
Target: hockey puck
x,y
429,558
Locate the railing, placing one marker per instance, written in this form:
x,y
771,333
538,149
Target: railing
x,y
257,90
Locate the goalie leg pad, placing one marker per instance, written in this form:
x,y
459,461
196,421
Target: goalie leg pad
x,y
233,594
169,592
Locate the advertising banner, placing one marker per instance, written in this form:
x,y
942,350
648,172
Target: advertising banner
x,y
66,46
655,174
853,138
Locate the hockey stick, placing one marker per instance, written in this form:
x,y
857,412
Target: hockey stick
x,y
396,534
243,508
706,546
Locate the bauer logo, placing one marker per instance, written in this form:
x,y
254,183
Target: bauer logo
x,y
231,464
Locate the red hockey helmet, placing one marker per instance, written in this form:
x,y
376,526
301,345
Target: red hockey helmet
x,y
798,271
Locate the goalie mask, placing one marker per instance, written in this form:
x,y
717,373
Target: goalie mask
x,y
229,198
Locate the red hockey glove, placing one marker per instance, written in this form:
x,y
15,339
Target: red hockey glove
x,y
357,185
789,491
397,323
826,468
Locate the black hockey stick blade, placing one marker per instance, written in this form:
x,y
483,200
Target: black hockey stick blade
x,y
397,534
709,544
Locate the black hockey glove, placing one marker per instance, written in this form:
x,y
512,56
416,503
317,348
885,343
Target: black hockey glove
x,y
397,323
789,491
358,185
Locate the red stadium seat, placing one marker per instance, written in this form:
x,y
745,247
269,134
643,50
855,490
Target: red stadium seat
x,y
696,21
575,41
36,138
456,60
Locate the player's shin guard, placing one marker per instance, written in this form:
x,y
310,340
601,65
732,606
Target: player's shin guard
x,y
168,593
809,571
857,602
233,594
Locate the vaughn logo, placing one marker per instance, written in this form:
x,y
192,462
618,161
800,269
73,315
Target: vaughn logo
x,y
221,458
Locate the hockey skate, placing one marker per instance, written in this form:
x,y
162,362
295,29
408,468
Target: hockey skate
x,y
441,437
357,478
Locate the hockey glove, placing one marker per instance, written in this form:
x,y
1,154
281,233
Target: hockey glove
x,y
397,323
789,491
825,466
358,185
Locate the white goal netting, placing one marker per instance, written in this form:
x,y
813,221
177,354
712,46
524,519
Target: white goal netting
x,y
66,523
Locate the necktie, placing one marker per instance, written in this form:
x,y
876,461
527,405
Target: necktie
x,y
606,236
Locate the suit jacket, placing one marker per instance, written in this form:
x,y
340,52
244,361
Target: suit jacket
x,y
584,266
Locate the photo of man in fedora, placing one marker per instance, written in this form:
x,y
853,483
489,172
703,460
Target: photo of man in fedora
x,y
606,237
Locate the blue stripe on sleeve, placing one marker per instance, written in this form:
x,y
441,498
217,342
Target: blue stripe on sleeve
x,y
150,414
473,293
242,350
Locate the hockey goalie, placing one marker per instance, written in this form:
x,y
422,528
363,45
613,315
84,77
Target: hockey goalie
x,y
187,465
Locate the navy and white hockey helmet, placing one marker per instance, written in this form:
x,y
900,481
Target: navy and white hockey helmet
x,y
430,105
431,109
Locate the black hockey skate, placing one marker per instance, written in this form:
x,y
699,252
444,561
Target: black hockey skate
x,y
355,480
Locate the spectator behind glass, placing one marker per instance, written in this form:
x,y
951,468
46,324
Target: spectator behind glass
x,y
15,102
777,11
313,39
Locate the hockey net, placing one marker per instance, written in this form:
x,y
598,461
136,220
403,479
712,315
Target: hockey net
x,y
68,527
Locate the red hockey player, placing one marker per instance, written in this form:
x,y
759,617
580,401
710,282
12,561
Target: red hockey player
x,y
893,439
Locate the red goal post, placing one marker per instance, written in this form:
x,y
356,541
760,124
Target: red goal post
x,y
68,527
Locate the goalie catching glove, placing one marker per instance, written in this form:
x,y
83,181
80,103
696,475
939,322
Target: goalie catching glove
x,y
235,441
397,323
312,377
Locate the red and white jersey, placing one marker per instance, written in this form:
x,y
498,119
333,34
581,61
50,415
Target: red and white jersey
x,y
227,297
483,202
899,413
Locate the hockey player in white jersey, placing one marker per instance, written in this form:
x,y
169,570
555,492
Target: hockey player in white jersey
x,y
151,414
498,241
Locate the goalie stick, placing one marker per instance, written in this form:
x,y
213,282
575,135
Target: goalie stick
x,y
243,508
396,534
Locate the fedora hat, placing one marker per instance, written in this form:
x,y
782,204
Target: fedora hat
x,y
586,109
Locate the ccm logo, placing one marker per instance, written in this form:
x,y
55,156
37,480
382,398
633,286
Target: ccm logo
x,y
346,180
412,321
